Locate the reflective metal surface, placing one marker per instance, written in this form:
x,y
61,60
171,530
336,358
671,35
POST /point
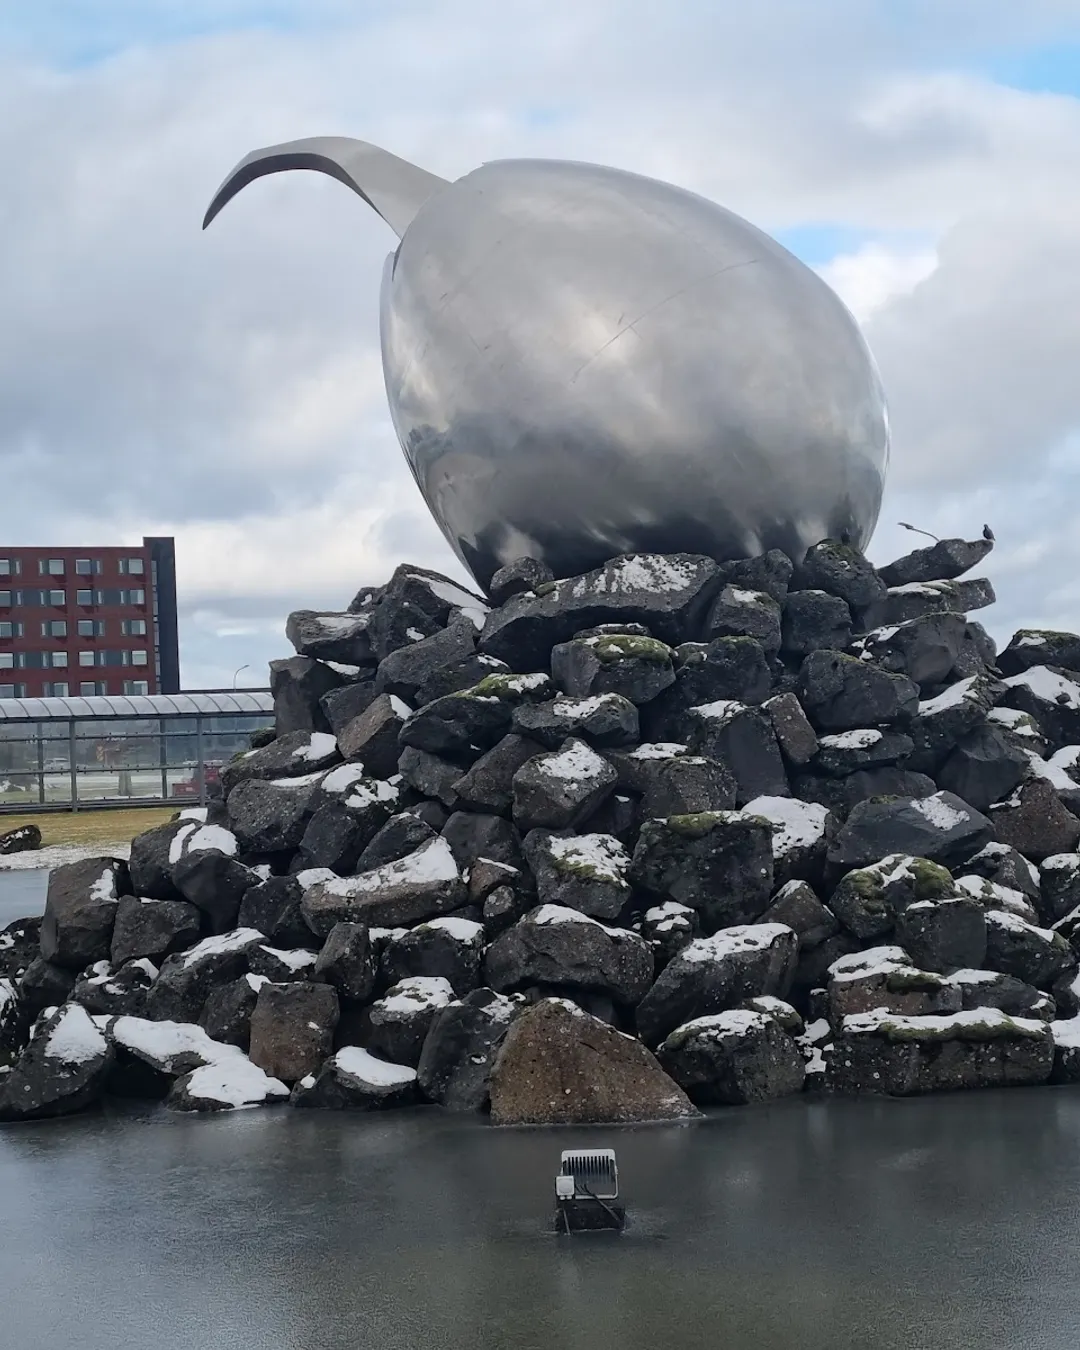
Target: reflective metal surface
x,y
582,362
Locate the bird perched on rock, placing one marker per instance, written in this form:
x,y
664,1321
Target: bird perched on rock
x,y
988,533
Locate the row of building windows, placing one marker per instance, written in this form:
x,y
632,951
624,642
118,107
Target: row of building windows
x,y
89,657
58,628
84,567
87,689
58,599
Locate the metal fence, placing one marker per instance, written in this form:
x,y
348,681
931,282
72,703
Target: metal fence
x,y
67,753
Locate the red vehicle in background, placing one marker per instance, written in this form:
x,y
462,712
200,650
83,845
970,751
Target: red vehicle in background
x,y
192,787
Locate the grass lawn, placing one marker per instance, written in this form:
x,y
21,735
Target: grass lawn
x,y
92,827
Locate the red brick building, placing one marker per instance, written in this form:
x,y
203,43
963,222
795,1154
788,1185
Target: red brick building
x,y
88,621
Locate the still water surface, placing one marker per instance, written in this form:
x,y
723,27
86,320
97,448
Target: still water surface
x,y
948,1224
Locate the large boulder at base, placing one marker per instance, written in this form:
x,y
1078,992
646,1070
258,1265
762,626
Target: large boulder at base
x,y
226,1014
1066,1036
733,1058
942,828
400,1021
22,839
668,593
15,1022
80,911
885,977
45,985
354,1079
586,872
460,1048
62,1070
292,1028
555,946
716,973
868,899
561,788
150,1055
418,887
559,1066
152,929
944,560
228,1084
1035,955
718,862
446,947
186,978
900,1056
152,859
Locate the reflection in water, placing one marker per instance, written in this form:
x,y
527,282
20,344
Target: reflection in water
x,y
886,1224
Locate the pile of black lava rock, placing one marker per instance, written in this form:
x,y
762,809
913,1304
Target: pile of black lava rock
x,y
669,834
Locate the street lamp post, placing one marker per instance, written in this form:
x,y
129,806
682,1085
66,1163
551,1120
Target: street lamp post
x,y
246,666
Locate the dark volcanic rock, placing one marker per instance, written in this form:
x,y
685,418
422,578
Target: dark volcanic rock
x,y
769,572
561,788
991,989
669,594
942,561
795,736
815,621
868,899
668,928
152,928
115,993
517,577
1034,822
488,784
924,649
215,885
400,1021
226,1014
559,1066
636,668
273,908
733,1058
354,1079
796,905
473,834
460,1048
901,1056
430,775
743,739
344,704
292,1028
945,934
406,671
62,1070
1040,647
556,946
801,835
22,839
187,978
44,985
400,836
942,722
282,965
840,570
420,886
738,612
373,737
270,817
841,693
719,863
842,795
448,948
847,752
984,767
1059,885
1052,698
583,872
902,603
941,828
298,686
80,911
714,974
19,945
151,861
347,961
1034,955
687,785
603,720
328,636
293,755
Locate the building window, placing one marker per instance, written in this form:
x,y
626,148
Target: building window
x,y
138,658
87,567
116,597
86,658
10,567
133,597
57,658
84,597
12,690
58,689
51,567
132,567
133,627
92,688
7,660
136,687
54,628
5,598
91,628
56,597
9,629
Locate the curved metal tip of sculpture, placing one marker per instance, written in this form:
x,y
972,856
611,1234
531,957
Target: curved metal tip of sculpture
x,y
393,187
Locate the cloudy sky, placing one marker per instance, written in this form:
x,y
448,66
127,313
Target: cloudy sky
x,y
924,155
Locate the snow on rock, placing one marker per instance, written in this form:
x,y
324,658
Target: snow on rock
x,y
212,839
198,813
74,1039
977,1024
602,854
851,740
873,961
658,750
319,745
937,812
1048,686
354,1060
417,992
465,930
956,693
741,938
226,942
575,763
431,862
795,824
560,914
228,1084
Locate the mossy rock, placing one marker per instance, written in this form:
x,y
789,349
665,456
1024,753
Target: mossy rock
x,y
625,646
508,688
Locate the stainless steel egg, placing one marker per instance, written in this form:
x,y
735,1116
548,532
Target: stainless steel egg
x,y
582,362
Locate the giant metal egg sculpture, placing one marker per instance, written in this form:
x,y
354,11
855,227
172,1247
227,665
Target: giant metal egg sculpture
x,y
583,362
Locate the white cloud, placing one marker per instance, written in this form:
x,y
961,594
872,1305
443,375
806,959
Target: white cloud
x,y
869,278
